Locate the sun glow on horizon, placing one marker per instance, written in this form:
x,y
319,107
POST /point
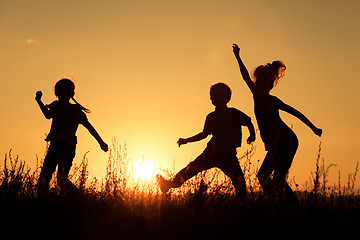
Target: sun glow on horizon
x,y
144,170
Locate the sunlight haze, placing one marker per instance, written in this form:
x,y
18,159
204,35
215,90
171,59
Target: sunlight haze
x,y
144,69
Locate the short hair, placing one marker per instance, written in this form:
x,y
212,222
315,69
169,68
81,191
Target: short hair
x,y
221,86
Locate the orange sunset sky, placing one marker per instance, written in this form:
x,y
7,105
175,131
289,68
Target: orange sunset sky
x,y
144,69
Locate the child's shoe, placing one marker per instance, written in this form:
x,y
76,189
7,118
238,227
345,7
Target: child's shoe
x,y
164,184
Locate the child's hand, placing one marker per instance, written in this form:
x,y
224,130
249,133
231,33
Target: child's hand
x,y
38,96
250,139
181,141
318,131
236,49
104,146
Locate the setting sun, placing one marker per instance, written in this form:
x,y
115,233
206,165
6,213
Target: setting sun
x,y
159,157
144,169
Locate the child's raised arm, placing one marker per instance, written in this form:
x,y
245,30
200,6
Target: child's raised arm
x,y
95,134
43,108
302,117
244,72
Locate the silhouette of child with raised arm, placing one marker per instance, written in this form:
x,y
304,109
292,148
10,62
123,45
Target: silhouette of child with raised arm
x,y
280,141
65,120
224,124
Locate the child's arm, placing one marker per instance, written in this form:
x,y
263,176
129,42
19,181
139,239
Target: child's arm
x,y
244,72
95,134
195,138
44,109
302,117
251,138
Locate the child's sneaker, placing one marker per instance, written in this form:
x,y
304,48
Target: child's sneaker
x,y
164,184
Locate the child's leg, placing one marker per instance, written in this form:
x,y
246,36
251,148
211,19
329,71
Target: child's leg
x,y
48,168
231,168
267,167
282,168
65,163
202,162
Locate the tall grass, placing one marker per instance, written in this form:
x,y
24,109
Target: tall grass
x,y
319,180
17,180
119,206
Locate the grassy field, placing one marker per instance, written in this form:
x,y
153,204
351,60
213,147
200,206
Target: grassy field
x,y
119,207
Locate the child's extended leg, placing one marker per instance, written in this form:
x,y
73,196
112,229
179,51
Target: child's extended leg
x,y
202,162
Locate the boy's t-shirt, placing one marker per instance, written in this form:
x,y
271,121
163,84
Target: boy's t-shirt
x,y
225,126
66,119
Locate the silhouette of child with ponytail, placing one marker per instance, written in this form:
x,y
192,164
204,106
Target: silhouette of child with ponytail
x,y
280,141
65,120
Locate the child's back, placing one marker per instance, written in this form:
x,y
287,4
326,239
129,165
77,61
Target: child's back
x,y
280,141
66,119
224,124
225,127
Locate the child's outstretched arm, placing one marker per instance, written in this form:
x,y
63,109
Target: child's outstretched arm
x,y
244,72
95,134
302,117
44,109
195,138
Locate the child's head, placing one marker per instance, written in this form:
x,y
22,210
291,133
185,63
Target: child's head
x,y
65,89
267,76
220,94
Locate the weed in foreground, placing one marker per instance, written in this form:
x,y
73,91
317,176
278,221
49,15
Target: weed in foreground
x,y
206,207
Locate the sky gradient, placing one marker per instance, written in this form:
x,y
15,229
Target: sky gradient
x,y
144,68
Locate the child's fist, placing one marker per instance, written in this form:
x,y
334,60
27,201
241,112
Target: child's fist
x,y
250,139
236,49
181,141
318,132
104,146
38,95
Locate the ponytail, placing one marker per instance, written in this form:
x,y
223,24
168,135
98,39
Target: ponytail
x,y
81,106
278,69
270,72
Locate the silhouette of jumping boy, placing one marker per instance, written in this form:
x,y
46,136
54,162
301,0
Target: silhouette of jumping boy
x,y
280,141
224,124
65,120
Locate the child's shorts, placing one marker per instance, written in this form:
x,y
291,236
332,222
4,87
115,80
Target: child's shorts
x,y
227,162
61,154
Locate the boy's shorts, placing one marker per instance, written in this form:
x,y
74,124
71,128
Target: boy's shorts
x,y
227,162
